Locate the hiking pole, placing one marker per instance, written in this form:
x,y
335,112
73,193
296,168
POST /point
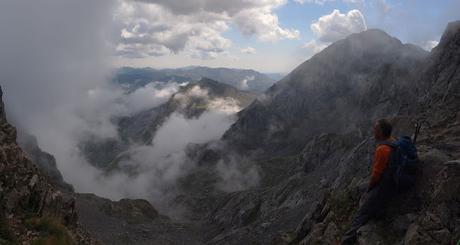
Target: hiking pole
x,y
418,126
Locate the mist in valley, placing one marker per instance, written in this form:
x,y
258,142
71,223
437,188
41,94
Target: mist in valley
x,y
56,75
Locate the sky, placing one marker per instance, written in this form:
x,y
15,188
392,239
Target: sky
x,y
265,35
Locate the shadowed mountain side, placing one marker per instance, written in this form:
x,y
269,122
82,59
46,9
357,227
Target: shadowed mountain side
x,y
341,89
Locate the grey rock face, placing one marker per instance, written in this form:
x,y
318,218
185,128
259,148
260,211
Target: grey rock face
x,y
26,193
45,161
341,89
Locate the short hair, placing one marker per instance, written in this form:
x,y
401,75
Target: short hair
x,y
385,127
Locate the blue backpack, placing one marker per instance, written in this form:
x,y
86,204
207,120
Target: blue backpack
x,y
403,163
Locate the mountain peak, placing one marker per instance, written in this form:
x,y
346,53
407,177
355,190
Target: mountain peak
x,y
450,38
374,33
371,40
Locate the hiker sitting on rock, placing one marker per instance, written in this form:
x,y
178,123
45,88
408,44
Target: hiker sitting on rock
x,y
380,186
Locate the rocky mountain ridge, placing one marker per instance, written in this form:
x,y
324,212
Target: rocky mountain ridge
x,y
365,76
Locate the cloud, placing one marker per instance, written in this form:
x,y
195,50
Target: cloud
x,y
158,166
262,23
51,55
218,7
334,26
314,46
236,174
152,30
429,45
158,28
248,50
320,2
243,85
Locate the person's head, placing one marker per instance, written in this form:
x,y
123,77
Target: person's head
x,y
382,129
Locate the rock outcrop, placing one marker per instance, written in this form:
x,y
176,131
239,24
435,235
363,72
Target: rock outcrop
x,y
32,209
45,161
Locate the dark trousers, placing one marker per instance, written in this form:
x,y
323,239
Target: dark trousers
x,y
373,207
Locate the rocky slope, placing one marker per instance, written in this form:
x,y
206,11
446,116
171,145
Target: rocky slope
x,y
45,161
132,222
32,208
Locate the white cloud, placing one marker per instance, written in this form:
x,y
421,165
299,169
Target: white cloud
x,y
314,46
243,85
262,23
157,28
429,45
335,26
248,50
160,164
321,2
236,174
152,30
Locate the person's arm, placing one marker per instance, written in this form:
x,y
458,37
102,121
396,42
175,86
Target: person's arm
x,y
381,158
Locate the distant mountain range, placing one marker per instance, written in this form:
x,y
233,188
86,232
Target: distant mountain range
x,y
243,79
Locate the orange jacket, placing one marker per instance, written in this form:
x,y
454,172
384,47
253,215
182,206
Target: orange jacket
x,y
381,160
